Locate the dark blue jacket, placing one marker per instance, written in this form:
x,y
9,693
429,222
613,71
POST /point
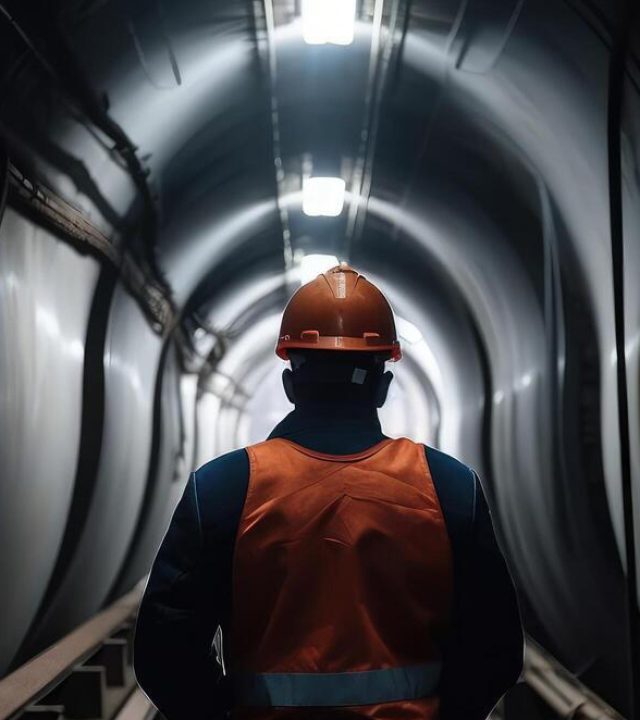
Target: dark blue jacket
x,y
189,590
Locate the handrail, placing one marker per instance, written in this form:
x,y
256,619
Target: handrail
x,y
35,678
560,689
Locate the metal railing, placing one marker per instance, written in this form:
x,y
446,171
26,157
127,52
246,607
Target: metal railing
x,y
87,674
560,689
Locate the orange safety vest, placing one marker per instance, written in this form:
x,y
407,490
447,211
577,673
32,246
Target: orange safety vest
x,y
342,585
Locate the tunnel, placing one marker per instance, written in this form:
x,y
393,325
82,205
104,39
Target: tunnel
x,y
171,172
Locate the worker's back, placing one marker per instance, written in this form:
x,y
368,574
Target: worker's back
x,y
362,583
362,541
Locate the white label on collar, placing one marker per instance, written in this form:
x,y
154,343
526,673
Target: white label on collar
x,y
358,376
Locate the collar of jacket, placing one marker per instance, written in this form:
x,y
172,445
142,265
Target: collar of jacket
x,y
338,430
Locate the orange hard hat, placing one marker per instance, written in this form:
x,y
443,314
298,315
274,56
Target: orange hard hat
x,y
339,310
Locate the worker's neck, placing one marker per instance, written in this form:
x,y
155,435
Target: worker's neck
x,y
331,427
337,410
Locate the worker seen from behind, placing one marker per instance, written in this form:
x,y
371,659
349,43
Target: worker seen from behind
x,y
351,575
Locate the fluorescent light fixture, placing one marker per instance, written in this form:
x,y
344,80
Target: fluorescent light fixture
x,y
408,331
311,266
323,196
328,21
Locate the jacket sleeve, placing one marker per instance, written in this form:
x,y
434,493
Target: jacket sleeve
x,y
173,657
484,656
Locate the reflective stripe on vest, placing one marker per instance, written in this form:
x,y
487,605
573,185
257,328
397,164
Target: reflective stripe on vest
x,y
366,687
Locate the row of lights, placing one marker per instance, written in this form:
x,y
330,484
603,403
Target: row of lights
x,y
326,22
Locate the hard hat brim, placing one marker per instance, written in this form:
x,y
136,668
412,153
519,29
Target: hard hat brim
x,y
338,343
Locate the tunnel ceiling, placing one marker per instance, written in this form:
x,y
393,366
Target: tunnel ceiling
x,y
192,84
229,108
196,85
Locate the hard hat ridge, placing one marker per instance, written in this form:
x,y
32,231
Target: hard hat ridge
x,y
341,283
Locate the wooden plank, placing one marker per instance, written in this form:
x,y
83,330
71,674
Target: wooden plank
x,y
31,681
137,707
43,712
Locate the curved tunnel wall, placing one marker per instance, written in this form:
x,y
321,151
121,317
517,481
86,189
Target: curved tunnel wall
x,y
41,369
486,221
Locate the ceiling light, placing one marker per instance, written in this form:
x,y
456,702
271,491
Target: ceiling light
x,y
328,21
323,196
310,266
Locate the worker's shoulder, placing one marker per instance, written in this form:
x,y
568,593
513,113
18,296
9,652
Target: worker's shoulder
x,y
450,467
455,483
221,488
220,468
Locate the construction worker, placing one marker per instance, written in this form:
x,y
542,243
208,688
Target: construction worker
x,y
352,575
